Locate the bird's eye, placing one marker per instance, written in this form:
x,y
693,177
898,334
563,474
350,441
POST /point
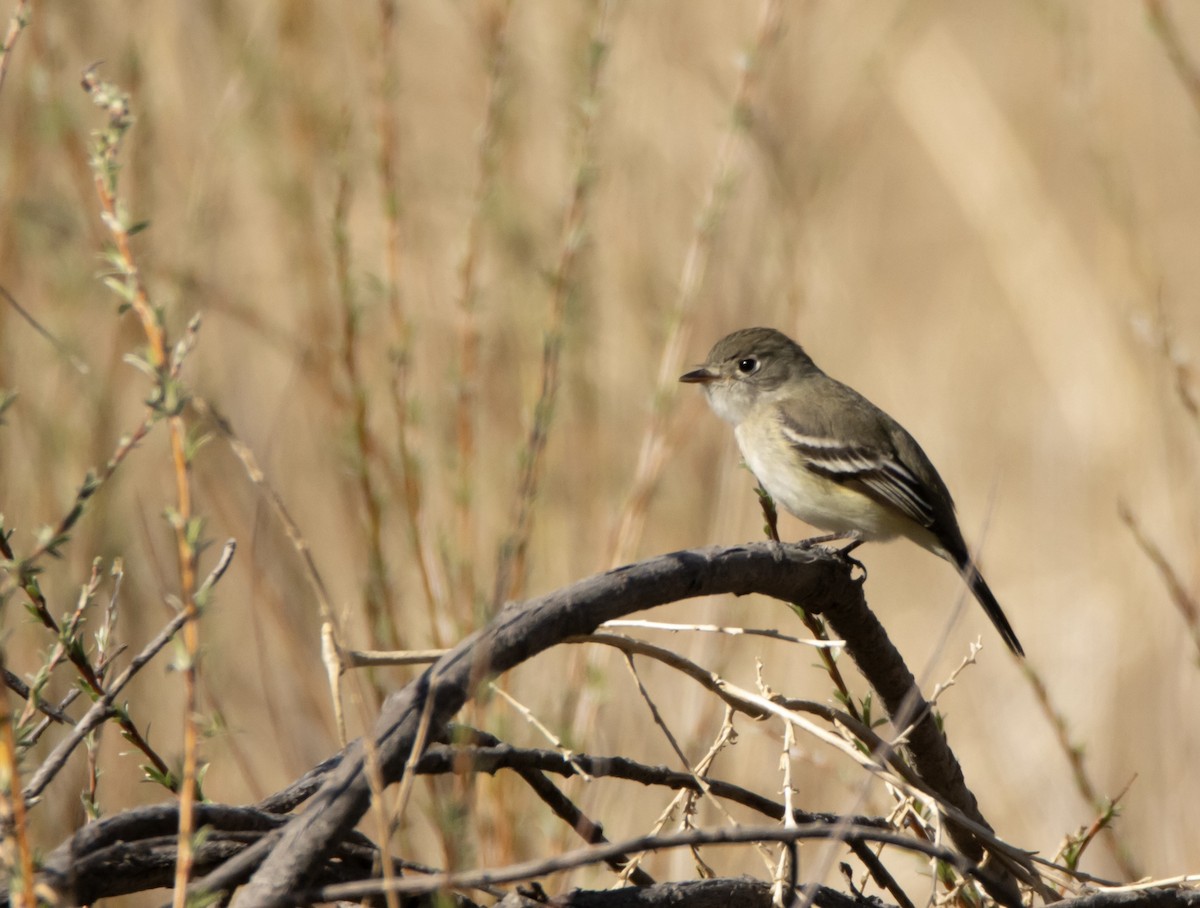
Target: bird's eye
x,y
748,366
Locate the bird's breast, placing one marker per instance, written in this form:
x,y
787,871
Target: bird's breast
x,y
815,499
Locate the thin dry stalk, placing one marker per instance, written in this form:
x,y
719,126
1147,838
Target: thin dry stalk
x,y
379,599
411,492
379,813
785,866
332,652
687,796
495,29
1183,881
25,576
355,658
388,130
510,572
541,727
165,364
1079,771
1177,362
419,743
59,347
655,448
16,25
13,811
1182,598
726,630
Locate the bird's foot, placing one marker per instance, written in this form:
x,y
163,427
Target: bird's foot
x,y
856,539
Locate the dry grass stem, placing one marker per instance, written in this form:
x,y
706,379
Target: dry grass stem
x,y
16,24
1178,591
510,571
655,447
494,27
528,715
12,815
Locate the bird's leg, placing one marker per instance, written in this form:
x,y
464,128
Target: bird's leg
x,y
854,535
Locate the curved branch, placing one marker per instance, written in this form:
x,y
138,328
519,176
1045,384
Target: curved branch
x,y
881,664
817,579
812,576
690,838
286,859
136,851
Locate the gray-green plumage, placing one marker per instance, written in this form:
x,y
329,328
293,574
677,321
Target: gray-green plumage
x,y
831,457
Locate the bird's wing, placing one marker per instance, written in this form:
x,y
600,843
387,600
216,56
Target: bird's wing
x,y
875,471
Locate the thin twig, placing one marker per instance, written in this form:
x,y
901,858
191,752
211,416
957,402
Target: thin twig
x,y
379,597
769,633
655,450
76,363
495,33
330,631
400,354
12,809
541,727
1176,589
102,708
440,759
584,857
511,564
549,793
16,25
24,574
1079,771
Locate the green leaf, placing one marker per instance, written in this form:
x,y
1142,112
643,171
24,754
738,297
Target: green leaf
x,y
165,779
143,365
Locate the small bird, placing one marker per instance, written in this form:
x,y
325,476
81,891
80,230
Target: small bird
x,y
831,457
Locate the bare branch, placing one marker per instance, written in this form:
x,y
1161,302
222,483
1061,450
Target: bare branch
x,y
691,838
516,634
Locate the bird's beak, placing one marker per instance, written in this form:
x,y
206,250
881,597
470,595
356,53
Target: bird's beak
x,y
701,376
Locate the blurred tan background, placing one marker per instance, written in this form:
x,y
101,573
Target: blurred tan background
x,y
983,216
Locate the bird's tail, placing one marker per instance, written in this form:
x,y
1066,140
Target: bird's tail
x,y
974,579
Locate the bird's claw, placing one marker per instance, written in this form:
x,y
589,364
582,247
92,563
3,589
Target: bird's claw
x,y
850,560
855,538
